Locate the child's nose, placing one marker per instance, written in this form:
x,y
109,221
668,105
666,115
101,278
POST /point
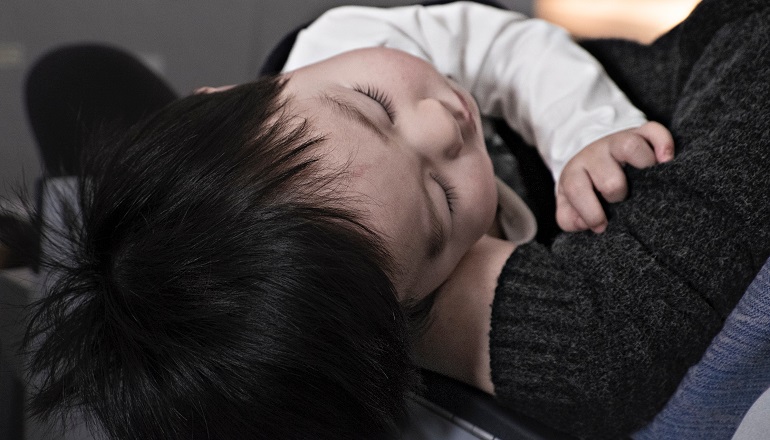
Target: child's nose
x,y
437,133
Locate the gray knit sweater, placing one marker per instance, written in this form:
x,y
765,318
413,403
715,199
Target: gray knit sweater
x,y
593,335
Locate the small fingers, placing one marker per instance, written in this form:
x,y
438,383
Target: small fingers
x,y
635,151
567,217
660,139
611,183
580,197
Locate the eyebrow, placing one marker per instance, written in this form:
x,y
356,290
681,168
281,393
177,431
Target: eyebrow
x,y
352,112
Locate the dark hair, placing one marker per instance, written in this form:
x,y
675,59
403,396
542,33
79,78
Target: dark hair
x,y
219,289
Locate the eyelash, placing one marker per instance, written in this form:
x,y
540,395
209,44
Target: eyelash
x,y
380,97
449,190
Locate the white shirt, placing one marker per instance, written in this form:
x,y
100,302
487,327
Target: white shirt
x,y
527,71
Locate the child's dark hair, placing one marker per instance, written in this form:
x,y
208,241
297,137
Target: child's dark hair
x,y
218,289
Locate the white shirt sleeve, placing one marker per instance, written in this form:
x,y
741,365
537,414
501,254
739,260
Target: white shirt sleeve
x,y
530,72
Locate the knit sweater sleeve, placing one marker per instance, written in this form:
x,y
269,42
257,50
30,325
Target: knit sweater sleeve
x,y
593,335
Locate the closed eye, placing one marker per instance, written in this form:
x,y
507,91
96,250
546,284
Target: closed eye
x,y
380,97
449,190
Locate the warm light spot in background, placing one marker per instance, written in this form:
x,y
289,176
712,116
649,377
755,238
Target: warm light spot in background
x,y
641,20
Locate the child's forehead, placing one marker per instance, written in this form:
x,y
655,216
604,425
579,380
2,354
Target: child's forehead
x,y
317,110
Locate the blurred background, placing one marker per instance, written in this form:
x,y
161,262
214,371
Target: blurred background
x,y
198,42
641,20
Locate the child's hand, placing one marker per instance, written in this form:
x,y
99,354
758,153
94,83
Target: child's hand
x,y
598,167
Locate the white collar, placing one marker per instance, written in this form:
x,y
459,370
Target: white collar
x,y
516,219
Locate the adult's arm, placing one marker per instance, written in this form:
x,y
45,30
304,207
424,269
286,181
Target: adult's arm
x,y
593,335
527,71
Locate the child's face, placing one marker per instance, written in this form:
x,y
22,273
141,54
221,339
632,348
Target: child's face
x,y
412,146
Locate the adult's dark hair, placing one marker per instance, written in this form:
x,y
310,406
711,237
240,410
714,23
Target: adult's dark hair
x,y
218,289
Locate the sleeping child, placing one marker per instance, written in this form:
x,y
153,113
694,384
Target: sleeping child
x,y
249,261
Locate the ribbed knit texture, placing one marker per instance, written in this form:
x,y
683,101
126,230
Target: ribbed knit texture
x,y
594,335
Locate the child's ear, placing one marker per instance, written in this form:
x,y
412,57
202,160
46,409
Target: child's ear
x,y
205,90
